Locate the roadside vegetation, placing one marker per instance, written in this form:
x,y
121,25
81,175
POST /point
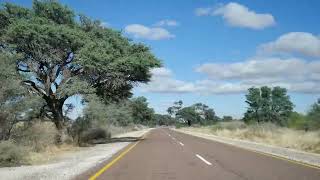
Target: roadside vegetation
x,y
49,56
269,119
265,133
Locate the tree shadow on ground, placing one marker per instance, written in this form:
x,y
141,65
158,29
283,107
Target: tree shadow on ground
x,y
117,139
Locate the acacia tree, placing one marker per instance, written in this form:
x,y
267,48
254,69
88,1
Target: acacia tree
x,y
177,105
268,105
62,57
141,113
197,113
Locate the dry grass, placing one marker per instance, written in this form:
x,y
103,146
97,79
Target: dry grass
x,y
36,142
50,153
267,134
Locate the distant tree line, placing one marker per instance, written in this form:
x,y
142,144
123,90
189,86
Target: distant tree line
x,y
265,104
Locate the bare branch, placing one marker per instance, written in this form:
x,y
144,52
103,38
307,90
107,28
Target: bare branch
x,y
34,87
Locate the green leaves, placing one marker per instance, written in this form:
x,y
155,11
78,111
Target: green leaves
x,y
197,113
39,39
268,105
141,113
314,115
51,9
74,86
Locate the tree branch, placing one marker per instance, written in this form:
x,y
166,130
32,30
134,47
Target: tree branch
x,y
23,70
34,86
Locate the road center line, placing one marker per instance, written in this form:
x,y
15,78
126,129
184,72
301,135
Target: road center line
x,y
204,160
181,143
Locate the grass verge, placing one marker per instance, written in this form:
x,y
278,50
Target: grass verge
x,y
267,133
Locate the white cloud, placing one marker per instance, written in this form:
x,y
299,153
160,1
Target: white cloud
x,y
294,42
163,81
238,15
294,74
105,24
203,11
167,22
161,72
257,68
150,33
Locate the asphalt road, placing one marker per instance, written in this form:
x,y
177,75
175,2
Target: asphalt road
x,y
168,155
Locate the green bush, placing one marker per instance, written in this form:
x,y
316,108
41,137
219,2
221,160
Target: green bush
x,y
11,154
179,125
298,121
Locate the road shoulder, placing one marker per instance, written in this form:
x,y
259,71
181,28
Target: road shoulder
x,y
70,164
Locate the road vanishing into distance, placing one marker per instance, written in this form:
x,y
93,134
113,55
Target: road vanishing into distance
x,y
165,154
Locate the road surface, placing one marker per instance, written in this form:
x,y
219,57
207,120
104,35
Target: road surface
x,y
169,155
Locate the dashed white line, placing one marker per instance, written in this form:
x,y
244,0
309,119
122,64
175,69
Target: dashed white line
x,y
204,160
181,143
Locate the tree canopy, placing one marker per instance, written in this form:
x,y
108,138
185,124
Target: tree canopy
x,y
268,105
197,113
61,56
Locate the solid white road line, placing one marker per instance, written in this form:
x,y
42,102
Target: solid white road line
x,y
207,162
181,143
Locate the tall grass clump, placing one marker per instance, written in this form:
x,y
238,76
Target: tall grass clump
x,y
12,154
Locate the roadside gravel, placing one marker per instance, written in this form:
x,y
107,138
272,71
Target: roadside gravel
x,y
300,156
69,164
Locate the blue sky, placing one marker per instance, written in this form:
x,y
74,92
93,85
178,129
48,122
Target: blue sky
x,y
212,51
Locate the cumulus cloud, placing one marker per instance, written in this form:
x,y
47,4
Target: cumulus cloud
x,y
163,81
239,15
294,42
296,75
151,33
167,22
258,68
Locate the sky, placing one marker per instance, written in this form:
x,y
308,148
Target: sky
x,y
213,51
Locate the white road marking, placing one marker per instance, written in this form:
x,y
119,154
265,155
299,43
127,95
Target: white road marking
x,y
207,162
174,138
169,135
181,143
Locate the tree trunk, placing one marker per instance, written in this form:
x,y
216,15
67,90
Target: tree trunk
x,y
55,106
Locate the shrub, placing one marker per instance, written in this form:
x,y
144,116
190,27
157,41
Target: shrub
x,y
12,154
38,135
95,134
179,125
298,121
